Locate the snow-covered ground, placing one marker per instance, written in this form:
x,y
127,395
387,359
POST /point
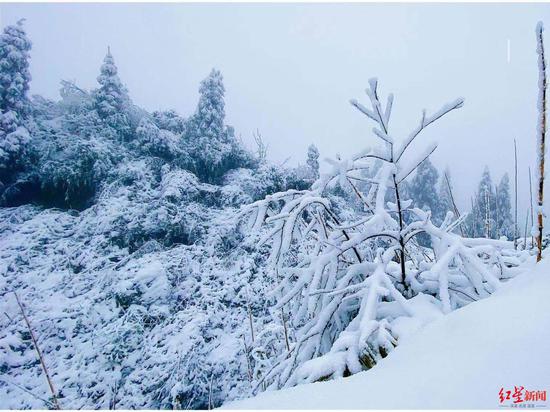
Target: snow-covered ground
x,y
461,360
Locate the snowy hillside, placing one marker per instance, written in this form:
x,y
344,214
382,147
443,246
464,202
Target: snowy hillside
x,y
151,260
459,361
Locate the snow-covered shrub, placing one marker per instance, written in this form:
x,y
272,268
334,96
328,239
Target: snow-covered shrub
x,y
13,139
246,185
153,327
169,120
73,173
355,285
151,140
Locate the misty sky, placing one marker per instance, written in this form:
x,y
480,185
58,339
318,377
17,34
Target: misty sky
x,y
290,70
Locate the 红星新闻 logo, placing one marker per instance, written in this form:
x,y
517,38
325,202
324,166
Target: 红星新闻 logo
x,y
520,397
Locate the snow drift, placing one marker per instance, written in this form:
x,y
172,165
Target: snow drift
x,y
461,360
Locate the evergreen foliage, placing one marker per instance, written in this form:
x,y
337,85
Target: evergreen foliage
x,y
14,102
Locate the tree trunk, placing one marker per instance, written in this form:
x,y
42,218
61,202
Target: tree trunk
x,y
515,195
542,135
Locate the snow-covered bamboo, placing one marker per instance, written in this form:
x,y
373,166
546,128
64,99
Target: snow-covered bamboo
x,y
541,134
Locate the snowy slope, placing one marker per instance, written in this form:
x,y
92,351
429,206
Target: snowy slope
x,y
459,361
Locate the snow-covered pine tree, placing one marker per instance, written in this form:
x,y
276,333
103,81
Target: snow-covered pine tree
x,y
210,116
212,145
503,215
14,102
111,98
313,160
423,190
353,282
207,137
14,69
483,215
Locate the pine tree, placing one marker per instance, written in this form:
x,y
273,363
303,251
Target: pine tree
x,y
14,103
423,189
483,214
504,223
14,69
211,144
313,160
111,98
210,116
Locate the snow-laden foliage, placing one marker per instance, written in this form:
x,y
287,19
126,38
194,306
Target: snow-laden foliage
x,y
142,300
503,218
423,190
14,69
491,210
353,285
212,146
14,102
111,98
126,237
313,161
127,257
153,141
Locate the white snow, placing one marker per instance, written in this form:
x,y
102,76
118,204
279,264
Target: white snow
x,y
460,360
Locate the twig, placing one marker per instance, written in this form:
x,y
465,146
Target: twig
x,y
249,367
251,323
47,402
50,384
457,213
286,330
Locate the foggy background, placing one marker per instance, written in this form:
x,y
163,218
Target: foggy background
x,y
290,70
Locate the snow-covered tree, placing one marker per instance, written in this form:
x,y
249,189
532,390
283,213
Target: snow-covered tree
x,y
210,116
423,189
111,98
14,102
313,160
503,213
482,219
354,284
212,146
14,69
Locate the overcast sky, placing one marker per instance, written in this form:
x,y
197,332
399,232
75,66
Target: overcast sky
x,y
290,70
